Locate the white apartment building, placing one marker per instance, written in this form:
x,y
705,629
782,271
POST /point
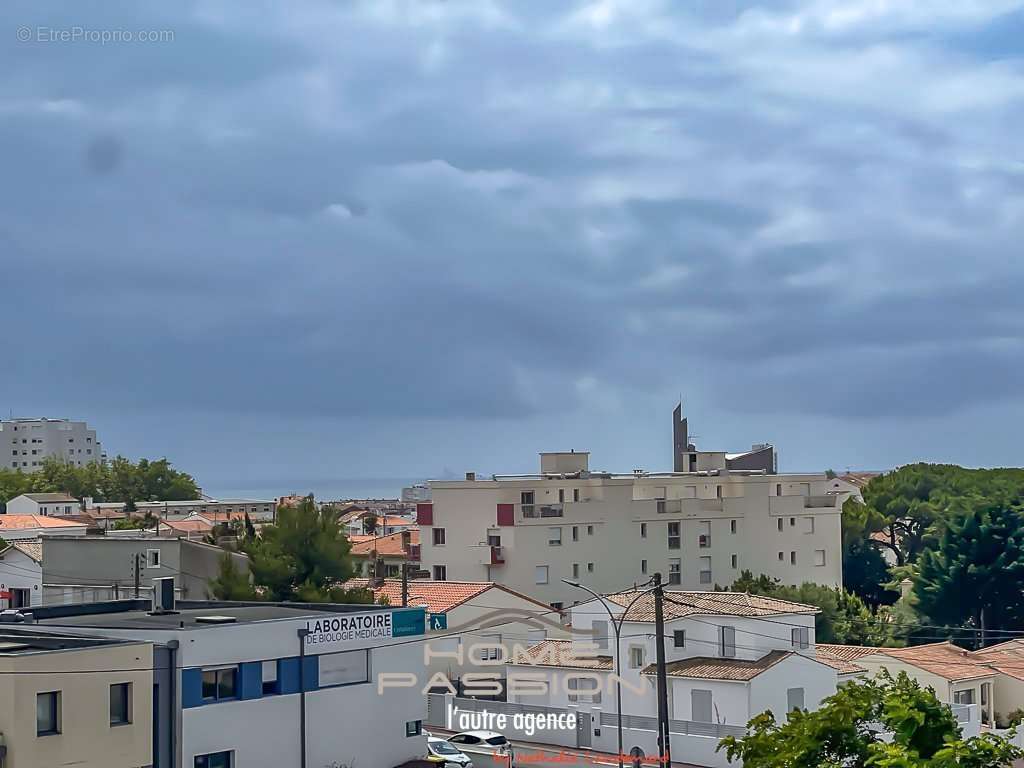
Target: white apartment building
x,y
24,443
56,504
697,528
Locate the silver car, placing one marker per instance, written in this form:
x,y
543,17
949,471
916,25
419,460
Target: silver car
x,y
446,754
484,743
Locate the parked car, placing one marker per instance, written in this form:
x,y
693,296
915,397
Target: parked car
x,y
446,754
484,743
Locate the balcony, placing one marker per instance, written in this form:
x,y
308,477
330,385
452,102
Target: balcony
x,y
489,555
414,553
820,502
665,506
543,510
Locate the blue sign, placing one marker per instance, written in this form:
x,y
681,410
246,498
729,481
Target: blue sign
x,y
438,621
408,622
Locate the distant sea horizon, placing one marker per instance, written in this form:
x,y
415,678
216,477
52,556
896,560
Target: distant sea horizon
x,y
323,489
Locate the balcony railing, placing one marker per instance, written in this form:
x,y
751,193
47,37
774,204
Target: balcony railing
x,y
819,502
543,510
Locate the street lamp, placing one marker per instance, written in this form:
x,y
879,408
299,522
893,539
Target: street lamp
x,y
617,626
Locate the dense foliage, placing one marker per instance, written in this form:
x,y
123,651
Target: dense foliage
x,y
844,617
303,557
119,479
844,733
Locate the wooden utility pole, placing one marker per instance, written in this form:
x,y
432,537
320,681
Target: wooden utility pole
x,y
664,746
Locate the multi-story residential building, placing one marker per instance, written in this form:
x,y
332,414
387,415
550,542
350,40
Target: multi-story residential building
x,y
699,527
392,550
24,443
413,494
267,684
87,569
75,701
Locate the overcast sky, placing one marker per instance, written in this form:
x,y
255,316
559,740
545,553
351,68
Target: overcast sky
x,y
304,244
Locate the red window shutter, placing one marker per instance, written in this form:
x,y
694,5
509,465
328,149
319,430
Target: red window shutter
x,y
425,514
506,514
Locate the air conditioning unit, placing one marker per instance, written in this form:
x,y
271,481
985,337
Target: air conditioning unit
x,y
163,595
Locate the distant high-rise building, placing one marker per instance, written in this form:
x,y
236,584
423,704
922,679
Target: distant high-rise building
x,y
24,443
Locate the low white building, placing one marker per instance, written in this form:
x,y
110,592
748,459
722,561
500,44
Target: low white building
x,y
263,684
21,574
55,504
16,527
215,510
730,656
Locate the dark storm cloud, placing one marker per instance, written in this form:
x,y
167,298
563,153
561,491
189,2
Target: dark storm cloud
x,y
472,210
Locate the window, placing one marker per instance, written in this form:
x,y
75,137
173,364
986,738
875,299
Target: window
x,y
47,713
778,489
494,539
964,697
220,684
590,567
643,566
679,638
734,561
152,558
440,573
700,706
270,686
345,668
590,530
727,642
643,530
792,522
540,574
561,495
557,606
413,728
819,557
674,539
120,703
588,690
782,556
215,760
801,637
636,657
575,494
705,570
438,537
675,571
601,633
575,570
794,699
792,558
718,491
575,533
808,525
554,537
732,526
526,500
779,521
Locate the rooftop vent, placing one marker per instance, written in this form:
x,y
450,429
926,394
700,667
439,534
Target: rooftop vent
x,y
216,619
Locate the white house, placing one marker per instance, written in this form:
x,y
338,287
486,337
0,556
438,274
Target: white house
x,y
730,656
263,684
472,620
15,527
43,504
21,574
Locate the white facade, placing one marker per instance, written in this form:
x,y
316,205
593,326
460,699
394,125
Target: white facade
x,y
347,723
21,578
697,529
24,443
413,494
48,504
215,510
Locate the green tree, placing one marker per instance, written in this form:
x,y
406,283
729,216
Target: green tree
x,y
370,524
975,576
865,574
231,582
843,733
303,555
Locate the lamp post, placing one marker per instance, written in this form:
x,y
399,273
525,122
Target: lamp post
x,y
617,626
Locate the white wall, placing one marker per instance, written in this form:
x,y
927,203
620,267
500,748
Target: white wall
x,y
19,571
768,691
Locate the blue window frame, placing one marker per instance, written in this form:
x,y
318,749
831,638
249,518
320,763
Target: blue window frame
x,y
215,760
220,684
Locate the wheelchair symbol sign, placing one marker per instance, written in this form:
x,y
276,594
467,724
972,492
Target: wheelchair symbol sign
x,y
438,620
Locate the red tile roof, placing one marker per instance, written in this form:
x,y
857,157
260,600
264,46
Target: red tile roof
x,y
846,652
942,659
837,662
679,605
23,522
387,546
732,670
1006,657
559,653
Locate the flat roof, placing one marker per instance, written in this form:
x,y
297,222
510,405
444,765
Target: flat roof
x,y
134,614
15,641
